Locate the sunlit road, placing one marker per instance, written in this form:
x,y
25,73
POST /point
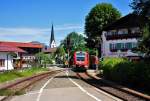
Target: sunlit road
x,y
64,86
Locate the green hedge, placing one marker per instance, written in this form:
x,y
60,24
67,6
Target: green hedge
x,y
127,72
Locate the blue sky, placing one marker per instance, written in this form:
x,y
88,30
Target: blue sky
x,y
30,20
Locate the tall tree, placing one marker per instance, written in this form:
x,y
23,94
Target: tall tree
x,y
142,8
100,16
74,41
60,54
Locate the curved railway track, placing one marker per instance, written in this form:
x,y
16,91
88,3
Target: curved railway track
x,y
113,89
25,83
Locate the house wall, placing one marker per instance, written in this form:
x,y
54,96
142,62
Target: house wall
x,y
9,63
105,50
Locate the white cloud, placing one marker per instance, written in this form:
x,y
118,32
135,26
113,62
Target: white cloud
x,y
68,27
36,34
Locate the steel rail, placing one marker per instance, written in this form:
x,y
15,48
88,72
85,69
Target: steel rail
x,y
122,89
31,80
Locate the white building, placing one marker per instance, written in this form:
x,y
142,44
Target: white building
x,y
121,37
6,57
6,61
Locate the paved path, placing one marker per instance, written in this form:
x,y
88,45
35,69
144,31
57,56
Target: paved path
x,y
64,86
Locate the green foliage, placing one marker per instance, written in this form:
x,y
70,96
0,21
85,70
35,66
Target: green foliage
x,y
44,58
77,42
141,8
144,45
100,16
127,72
60,54
60,51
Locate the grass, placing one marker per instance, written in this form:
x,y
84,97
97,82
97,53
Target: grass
x,y
11,75
8,92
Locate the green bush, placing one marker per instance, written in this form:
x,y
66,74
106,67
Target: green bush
x,y
124,71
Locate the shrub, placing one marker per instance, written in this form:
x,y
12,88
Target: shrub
x,y
127,72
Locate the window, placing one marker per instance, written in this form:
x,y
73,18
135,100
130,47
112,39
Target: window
x,y
129,45
118,45
109,33
135,30
123,46
123,31
134,45
112,46
80,58
113,32
2,62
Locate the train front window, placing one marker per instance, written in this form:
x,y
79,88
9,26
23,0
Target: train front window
x,y
80,58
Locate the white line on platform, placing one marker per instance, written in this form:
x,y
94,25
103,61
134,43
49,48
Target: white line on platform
x,y
42,88
82,89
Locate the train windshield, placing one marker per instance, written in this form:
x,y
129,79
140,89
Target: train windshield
x,y
80,56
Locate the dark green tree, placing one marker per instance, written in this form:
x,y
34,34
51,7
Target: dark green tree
x,y
74,41
100,16
44,59
142,8
60,54
144,45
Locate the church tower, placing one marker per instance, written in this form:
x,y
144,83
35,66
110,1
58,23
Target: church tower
x,y
52,39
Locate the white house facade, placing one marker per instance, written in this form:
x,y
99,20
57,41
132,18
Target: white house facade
x,y
7,54
118,47
120,38
6,61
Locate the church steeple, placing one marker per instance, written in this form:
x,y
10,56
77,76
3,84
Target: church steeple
x,y
52,39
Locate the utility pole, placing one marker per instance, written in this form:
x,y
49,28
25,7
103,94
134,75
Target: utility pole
x,y
68,49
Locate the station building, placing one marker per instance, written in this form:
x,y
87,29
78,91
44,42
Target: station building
x,y
14,55
120,38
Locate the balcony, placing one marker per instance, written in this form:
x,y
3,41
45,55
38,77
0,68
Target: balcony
x,y
122,50
123,36
113,50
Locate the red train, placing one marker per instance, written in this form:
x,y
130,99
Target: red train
x,y
84,60
81,59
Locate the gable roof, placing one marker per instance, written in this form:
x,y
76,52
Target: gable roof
x,y
20,44
10,49
50,50
128,21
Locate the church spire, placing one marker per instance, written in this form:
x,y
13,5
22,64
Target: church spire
x,y
52,39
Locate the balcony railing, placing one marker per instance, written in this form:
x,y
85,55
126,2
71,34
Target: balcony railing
x,y
122,50
123,36
113,50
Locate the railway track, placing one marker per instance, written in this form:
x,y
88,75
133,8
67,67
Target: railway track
x,y
113,89
26,83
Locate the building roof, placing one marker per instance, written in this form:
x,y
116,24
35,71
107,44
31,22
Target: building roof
x,y
10,49
128,21
20,44
50,50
